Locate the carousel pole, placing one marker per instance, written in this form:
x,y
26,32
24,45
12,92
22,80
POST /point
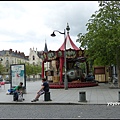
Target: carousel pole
x,y
53,35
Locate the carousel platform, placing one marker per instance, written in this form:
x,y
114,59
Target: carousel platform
x,y
72,85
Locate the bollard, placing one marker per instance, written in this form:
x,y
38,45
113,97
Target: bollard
x,y
24,91
47,96
118,96
82,97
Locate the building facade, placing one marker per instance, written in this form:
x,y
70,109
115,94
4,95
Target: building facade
x,y
8,57
33,57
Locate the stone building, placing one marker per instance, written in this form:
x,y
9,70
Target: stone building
x,y
33,57
8,57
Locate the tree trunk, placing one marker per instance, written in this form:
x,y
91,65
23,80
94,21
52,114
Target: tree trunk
x,y
118,64
118,76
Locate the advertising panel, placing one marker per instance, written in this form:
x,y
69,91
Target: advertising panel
x,y
18,74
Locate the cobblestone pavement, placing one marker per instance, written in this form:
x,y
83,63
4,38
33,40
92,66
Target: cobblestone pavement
x,y
101,94
59,111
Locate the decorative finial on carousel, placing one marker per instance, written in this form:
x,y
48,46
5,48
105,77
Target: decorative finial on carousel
x,y
67,28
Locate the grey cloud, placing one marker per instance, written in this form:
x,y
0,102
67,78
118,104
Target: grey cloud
x,y
29,36
74,13
13,9
15,6
56,16
9,33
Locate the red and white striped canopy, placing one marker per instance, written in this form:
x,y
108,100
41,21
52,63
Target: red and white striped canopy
x,y
69,44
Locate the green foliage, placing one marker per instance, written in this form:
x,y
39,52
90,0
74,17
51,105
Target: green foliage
x,y
82,66
103,34
32,69
2,69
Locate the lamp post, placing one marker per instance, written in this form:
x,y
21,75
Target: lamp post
x,y
65,80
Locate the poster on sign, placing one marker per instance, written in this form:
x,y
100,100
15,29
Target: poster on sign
x,y
18,74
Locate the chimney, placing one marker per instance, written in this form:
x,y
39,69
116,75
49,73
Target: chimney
x,y
36,50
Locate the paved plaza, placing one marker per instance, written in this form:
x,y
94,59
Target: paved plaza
x,y
101,94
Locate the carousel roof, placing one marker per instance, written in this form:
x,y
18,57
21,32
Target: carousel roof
x,y
69,44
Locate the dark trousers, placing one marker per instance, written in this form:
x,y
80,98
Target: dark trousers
x,y
15,95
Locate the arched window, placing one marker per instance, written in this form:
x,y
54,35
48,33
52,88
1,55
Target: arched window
x,y
33,57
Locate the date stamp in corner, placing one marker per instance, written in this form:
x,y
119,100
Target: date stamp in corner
x,y
113,103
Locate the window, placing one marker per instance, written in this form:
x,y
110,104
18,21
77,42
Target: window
x,y
33,57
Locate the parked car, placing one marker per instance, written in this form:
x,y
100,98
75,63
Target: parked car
x,y
6,81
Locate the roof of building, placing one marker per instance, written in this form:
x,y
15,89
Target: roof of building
x,y
45,48
14,54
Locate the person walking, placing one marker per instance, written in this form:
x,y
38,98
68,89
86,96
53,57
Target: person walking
x,y
44,88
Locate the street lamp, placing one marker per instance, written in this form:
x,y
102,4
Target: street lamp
x,y
53,34
65,80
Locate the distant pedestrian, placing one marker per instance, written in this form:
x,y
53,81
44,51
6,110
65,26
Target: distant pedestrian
x,y
44,88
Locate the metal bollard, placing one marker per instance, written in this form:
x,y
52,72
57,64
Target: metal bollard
x,y
82,97
118,96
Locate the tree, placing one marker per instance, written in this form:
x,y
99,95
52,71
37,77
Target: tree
x,y
36,69
32,69
102,39
2,69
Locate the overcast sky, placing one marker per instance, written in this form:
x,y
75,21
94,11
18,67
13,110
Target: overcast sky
x,y
27,24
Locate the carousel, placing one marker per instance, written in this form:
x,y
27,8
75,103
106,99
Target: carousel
x,y
64,64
